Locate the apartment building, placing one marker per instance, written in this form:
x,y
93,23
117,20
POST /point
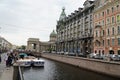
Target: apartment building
x,y
107,26
75,31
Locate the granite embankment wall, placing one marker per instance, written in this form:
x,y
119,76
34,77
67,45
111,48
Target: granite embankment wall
x,y
104,67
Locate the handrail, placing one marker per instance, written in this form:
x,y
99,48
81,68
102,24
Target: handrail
x,y
20,73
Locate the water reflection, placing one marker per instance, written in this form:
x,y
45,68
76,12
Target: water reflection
x,y
59,71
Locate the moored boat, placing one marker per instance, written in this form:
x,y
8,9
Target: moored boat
x,y
38,62
31,61
24,62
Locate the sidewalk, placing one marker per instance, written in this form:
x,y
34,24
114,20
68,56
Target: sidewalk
x,y
7,74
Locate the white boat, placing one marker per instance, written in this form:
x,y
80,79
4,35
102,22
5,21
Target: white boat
x,y
38,62
24,62
32,61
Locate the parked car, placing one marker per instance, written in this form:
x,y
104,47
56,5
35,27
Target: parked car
x,y
96,56
71,54
82,55
53,52
115,57
62,52
66,53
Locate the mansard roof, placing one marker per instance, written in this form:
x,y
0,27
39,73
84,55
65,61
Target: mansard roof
x,y
80,10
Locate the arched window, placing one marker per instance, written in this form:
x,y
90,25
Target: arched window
x,y
102,52
95,51
111,52
118,52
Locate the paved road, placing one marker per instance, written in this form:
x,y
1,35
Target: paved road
x,y
2,64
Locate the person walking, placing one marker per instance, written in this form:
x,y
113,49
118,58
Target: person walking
x,y
9,61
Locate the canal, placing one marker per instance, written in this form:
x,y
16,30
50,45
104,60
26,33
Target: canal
x,y
53,70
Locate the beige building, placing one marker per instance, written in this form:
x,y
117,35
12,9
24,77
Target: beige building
x,y
34,44
4,44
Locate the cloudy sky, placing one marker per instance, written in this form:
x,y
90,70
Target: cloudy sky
x,y
23,19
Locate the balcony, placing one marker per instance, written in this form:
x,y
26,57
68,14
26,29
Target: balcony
x,y
86,36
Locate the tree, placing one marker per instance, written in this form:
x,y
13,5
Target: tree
x,y
23,47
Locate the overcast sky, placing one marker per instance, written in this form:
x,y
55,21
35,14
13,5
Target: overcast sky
x,y
23,19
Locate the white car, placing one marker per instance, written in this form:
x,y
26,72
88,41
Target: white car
x,y
66,53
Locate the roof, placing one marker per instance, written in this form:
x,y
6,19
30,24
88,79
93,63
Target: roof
x,y
53,34
63,15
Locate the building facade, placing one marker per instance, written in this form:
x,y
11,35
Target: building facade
x,y
107,27
75,31
34,44
4,45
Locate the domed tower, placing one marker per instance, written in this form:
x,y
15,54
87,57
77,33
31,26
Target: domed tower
x,y
62,15
53,36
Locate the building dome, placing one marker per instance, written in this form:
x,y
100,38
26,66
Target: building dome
x,y
53,34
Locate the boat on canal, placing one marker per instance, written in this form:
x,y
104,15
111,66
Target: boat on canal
x,y
31,61
38,63
24,62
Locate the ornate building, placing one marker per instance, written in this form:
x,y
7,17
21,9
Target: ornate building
x,y
34,44
107,26
75,31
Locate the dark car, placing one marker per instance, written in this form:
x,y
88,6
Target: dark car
x,y
82,55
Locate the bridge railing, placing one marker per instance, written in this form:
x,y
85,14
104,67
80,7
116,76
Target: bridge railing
x,y
20,73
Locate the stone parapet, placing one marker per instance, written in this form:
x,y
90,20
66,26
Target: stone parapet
x,y
100,66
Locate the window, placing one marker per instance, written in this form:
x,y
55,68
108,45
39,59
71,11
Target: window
x,y
118,29
113,31
117,7
108,32
99,51
95,51
108,42
100,34
112,9
102,52
108,20
103,22
103,32
108,11
118,18
113,41
103,42
118,41
113,20
96,34
102,14
118,52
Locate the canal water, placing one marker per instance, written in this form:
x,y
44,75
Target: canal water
x,y
58,71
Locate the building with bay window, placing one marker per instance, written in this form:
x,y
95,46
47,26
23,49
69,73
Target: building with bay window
x,y
107,26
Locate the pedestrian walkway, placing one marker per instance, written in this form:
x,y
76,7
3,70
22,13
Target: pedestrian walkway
x,y
7,74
